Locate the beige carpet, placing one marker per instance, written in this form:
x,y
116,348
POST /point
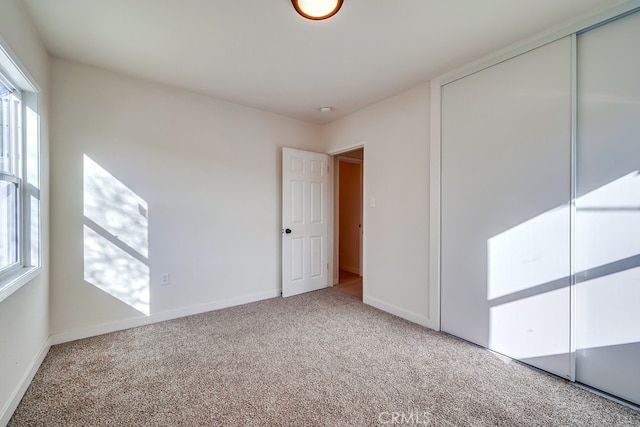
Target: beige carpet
x,y
321,358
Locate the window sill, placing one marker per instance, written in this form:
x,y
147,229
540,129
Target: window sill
x,y
16,280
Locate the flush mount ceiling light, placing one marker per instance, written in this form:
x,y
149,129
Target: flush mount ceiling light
x,y
326,109
317,9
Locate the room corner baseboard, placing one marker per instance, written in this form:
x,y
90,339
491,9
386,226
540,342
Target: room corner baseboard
x,y
19,392
400,312
119,325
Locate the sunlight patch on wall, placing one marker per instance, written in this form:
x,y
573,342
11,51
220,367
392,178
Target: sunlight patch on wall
x,y
116,272
607,310
114,207
532,326
529,275
536,252
116,242
608,264
529,254
608,223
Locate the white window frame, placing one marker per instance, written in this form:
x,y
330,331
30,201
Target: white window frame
x,y
26,173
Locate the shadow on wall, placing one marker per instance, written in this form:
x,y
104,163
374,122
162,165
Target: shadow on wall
x,y
116,241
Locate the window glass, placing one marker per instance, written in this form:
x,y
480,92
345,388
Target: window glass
x,y
5,138
10,182
8,224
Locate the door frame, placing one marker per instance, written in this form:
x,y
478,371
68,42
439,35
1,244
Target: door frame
x,y
337,209
333,213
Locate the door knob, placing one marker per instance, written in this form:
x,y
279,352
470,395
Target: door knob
x,y
288,231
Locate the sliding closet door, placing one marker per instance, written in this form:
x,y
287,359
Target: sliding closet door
x,y
608,209
505,255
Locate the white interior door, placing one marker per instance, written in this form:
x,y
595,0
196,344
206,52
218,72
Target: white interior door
x,y
304,221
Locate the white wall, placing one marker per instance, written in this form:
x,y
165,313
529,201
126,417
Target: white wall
x,y
210,173
395,133
24,315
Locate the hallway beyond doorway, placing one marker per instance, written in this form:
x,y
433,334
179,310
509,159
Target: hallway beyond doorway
x,y
350,283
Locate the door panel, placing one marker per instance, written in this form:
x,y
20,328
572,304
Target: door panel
x,y
607,240
297,202
297,259
317,191
505,266
316,256
304,213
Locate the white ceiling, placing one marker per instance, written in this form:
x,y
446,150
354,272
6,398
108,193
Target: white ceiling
x,y
262,54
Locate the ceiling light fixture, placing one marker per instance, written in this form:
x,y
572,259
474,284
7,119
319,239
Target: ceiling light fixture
x,y
317,9
326,109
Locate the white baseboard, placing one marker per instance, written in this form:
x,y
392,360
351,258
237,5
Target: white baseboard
x,y
19,392
119,325
400,312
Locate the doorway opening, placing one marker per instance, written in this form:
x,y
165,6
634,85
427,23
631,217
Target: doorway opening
x,y
348,222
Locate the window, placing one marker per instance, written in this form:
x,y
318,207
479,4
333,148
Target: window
x,y
10,182
19,178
